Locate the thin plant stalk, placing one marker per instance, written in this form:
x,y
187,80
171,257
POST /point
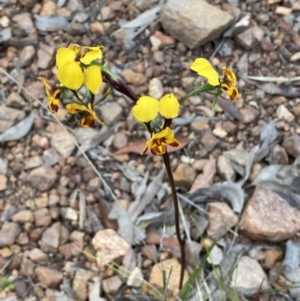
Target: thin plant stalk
x,y
177,216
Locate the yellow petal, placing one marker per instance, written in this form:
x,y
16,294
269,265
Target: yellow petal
x,y
73,108
70,76
229,83
93,113
53,104
169,106
205,69
47,84
64,56
146,109
93,78
87,121
94,53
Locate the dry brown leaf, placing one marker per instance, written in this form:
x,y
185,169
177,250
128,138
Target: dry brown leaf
x,y
138,146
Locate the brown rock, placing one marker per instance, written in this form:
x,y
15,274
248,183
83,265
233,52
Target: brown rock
x,y
26,56
209,141
225,169
23,217
15,100
111,113
42,217
3,182
8,117
171,268
38,256
221,218
199,125
45,55
48,8
48,277
112,252
28,3
8,233
292,145
273,256
249,114
279,155
197,26
80,284
50,238
112,284
268,217
63,142
120,140
131,77
184,175
24,21
249,276
250,37
42,178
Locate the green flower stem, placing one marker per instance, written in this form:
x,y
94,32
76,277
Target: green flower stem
x,y
177,216
199,89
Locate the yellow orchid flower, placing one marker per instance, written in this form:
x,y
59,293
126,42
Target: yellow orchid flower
x,y
53,94
88,117
147,108
228,83
159,141
71,70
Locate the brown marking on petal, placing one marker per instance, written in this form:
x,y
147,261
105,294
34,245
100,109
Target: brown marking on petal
x,y
53,107
87,122
233,95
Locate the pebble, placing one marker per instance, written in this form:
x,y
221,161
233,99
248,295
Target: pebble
x,y
184,175
38,256
178,20
171,267
135,278
282,10
131,77
199,125
63,142
4,21
3,182
215,256
155,88
225,169
111,113
279,155
50,238
8,233
112,252
42,178
15,100
248,277
22,217
284,114
6,252
26,56
34,162
250,37
120,140
45,56
272,256
50,278
50,156
80,282
28,3
209,141
42,217
268,217
112,284
292,145
3,166
69,214
221,218
8,117
249,114
48,8
219,132
24,21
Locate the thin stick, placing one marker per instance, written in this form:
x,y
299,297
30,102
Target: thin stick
x,y
176,211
